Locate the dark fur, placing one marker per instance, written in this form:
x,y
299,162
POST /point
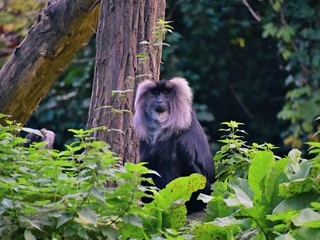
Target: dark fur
x,y
172,141
43,135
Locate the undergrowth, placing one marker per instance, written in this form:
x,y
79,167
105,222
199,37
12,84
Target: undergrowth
x,y
83,193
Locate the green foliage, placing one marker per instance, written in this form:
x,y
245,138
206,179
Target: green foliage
x,y
295,27
83,192
63,194
274,198
167,212
235,155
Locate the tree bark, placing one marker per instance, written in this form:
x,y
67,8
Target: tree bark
x,y
123,28
62,29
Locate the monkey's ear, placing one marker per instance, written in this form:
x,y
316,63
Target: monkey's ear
x,y
182,87
146,84
143,87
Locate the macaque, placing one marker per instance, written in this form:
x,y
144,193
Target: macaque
x,y
172,142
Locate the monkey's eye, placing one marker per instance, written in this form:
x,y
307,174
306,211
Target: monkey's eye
x,y
155,91
167,91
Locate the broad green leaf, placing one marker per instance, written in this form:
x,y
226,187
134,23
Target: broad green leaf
x,y
295,187
182,188
243,194
259,173
217,207
307,217
172,199
282,216
276,177
297,202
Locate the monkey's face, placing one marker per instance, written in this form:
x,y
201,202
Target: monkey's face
x,y
158,104
162,108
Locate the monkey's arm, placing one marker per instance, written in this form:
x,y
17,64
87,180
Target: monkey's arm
x,y
196,148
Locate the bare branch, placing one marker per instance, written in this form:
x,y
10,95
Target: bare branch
x,y
255,15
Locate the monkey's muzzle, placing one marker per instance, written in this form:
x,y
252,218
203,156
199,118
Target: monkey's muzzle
x,y
160,108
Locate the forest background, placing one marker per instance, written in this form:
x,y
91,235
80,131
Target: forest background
x,y
255,62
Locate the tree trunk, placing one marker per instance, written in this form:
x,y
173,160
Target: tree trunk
x,y
62,29
126,29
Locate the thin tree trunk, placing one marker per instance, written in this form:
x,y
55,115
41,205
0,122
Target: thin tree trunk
x,y
123,28
62,29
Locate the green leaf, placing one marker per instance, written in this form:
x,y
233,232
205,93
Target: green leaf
x,y
133,219
269,29
305,233
243,194
217,207
295,187
168,206
287,33
277,176
86,215
287,236
28,235
32,223
260,172
181,188
63,219
209,231
296,202
307,217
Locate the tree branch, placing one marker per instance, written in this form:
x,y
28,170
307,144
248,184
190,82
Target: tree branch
x,y
62,29
255,15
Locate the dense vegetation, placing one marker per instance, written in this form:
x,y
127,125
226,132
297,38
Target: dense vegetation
x,y
83,193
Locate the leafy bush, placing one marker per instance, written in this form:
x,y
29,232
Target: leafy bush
x,y
83,192
272,198
65,194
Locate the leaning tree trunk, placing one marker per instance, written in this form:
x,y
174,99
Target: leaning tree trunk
x,y
62,29
126,29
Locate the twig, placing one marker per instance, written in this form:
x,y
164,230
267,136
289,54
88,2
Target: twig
x,y
241,103
256,16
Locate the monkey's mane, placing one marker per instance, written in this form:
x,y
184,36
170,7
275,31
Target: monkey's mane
x,y
180,115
